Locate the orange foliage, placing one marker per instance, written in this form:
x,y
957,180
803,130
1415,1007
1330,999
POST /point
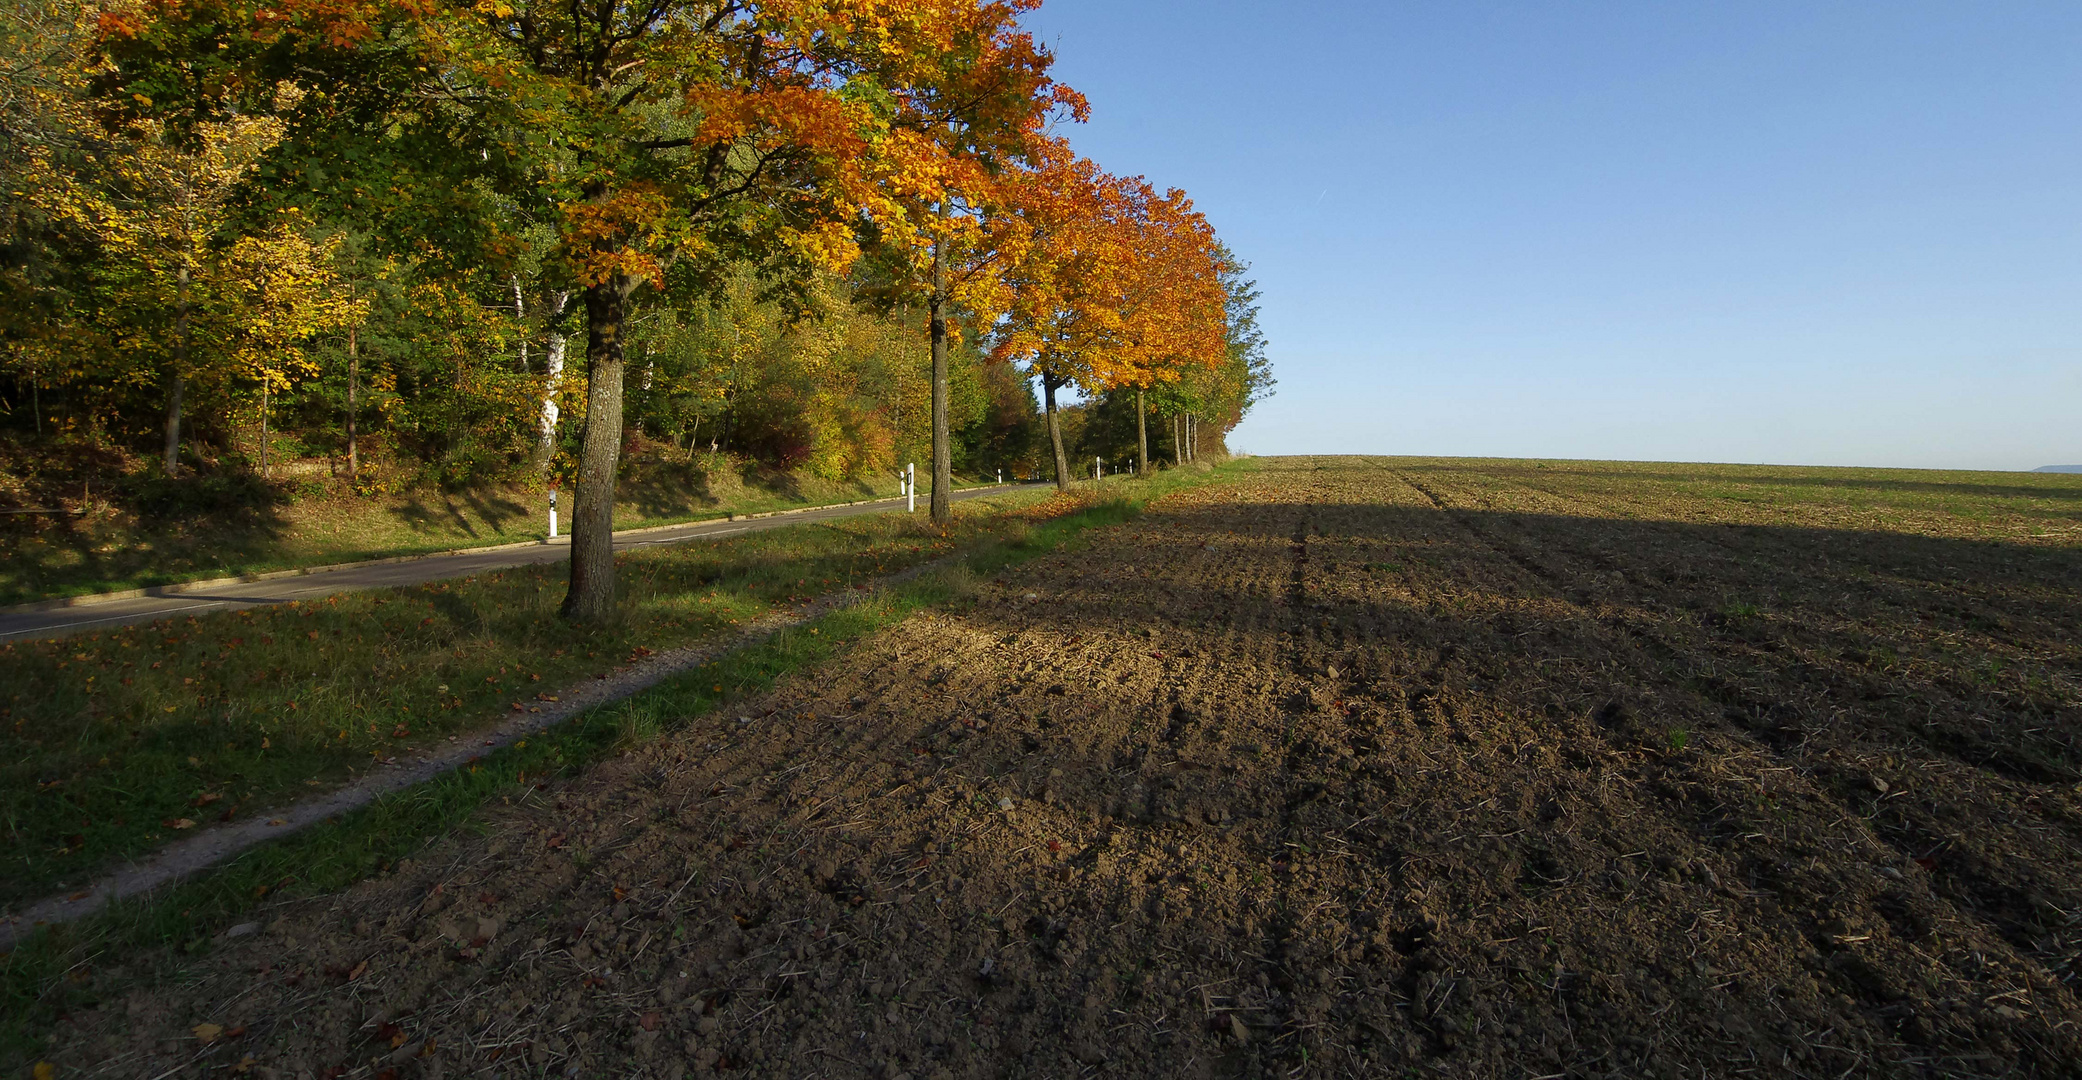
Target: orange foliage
x,y
1118,286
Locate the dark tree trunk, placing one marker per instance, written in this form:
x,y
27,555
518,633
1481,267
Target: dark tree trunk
x,y
1141,433
943,450
1055,433
263,423
591,596
176,382
353,385
176,388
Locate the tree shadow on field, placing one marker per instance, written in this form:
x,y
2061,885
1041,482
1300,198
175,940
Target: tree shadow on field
x,y
1446,750
1967,648
2055,486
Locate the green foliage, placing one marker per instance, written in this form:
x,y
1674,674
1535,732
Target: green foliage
x,y
256,240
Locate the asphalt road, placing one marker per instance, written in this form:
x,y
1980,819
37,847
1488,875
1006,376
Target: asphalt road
x,y
174,601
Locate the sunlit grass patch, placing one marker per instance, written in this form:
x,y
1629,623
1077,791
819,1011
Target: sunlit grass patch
x,y
113,743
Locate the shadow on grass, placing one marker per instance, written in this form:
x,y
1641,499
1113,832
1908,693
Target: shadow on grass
x,y
432,513
669,489
181,526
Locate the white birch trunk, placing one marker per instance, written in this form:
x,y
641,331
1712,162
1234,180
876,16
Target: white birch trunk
x,y
554,347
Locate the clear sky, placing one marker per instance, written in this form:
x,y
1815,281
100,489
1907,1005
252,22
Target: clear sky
x,y
1797,232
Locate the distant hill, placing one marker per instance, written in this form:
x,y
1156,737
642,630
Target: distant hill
x,y
2058,468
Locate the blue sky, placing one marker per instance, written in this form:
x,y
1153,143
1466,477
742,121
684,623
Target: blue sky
x,y
1771,232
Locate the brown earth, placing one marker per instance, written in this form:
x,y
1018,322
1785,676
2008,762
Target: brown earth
x,y
1343,768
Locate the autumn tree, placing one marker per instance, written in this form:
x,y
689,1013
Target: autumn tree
x,y
1118,286
968,115
665,139
1219,394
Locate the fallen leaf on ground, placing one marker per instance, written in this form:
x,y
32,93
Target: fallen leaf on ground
x,y
179,823
207,1032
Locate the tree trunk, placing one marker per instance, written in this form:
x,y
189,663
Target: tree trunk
x,y
520,315
591,597
263,424
1055,434
1178,440
176,382
553,373
943,450
353,386
175,390
1141,433
1192,439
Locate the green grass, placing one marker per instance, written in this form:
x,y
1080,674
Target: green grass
x,y
112,549
112,743
68,967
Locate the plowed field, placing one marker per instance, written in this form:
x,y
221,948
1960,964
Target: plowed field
x,y
1345,767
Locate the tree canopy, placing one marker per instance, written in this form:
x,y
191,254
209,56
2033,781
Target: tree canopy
x,y
828,234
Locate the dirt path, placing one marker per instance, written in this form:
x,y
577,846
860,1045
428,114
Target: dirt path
x,y
1336,771
215,844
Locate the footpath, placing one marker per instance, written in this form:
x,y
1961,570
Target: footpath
x,y
214,845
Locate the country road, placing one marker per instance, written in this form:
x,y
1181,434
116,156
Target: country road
x,y
174,600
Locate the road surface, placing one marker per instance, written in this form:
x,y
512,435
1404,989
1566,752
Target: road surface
x,y
72,620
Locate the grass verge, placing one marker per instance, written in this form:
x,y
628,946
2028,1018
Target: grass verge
x,y
69,967
111,743
267,528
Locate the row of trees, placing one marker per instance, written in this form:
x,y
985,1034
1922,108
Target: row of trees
x,y
401,216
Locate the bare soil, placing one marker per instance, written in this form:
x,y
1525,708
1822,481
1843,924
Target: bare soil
x,y
1348,767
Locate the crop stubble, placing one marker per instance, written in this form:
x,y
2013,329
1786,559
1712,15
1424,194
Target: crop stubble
x,y
1350,766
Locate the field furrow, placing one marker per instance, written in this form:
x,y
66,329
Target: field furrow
x,y
1340,767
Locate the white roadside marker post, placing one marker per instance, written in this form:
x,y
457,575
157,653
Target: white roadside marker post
x,y
1001,476
911,488
552,514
